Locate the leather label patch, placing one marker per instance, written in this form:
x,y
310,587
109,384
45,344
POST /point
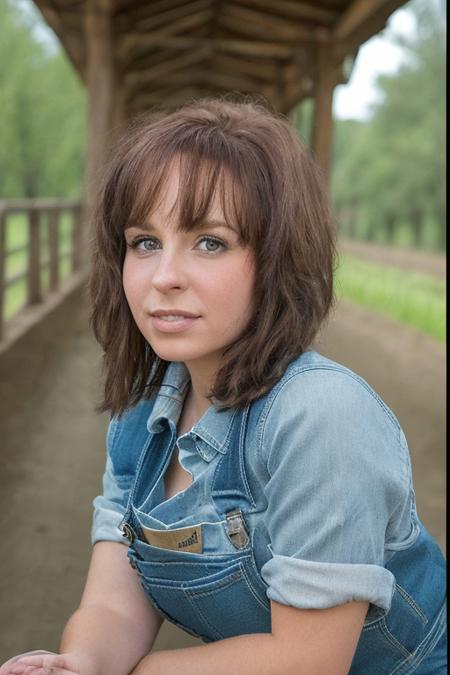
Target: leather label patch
x,y
183,539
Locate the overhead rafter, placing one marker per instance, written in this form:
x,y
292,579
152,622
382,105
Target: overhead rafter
x,y
359,22
258,49
162,51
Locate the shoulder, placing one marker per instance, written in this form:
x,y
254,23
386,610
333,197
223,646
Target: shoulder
x,y
314,383
326,411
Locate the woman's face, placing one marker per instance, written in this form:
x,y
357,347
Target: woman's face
x,y
205,273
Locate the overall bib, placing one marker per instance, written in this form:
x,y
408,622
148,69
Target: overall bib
x,y
207,582
195,556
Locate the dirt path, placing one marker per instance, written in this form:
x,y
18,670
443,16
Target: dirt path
x,y
52,455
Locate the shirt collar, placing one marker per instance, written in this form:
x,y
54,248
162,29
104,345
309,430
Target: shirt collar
x,y
212,431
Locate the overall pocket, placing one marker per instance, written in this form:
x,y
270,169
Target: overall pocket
x,y
211,597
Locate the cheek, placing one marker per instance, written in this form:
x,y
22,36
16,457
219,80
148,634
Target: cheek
x,y
232,290
132,283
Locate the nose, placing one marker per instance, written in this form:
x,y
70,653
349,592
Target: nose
x,y
170,272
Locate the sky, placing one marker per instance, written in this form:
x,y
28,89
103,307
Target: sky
x,y
377,55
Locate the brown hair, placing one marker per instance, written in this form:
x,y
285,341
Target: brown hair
x,y
277,200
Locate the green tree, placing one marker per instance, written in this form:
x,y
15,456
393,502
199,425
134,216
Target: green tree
x,y
42,114
401,150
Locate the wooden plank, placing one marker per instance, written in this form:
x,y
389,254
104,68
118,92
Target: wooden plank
x,y
327,77
53,247
130,13
250,22
172,16
153,100
100,86
259,49
259,69
34,290
371,15
299,11
70,37
145,77
129,41
77,238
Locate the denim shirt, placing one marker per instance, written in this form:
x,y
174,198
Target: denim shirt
x,y
315,478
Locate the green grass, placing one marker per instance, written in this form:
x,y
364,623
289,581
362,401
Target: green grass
x,y
409,297
17,235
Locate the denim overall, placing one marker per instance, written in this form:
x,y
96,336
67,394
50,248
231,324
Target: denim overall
x,y
206,579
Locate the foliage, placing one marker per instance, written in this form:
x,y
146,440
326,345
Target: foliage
x,y
388,174
42,114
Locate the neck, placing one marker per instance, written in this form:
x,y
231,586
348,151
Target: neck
x,y
202,379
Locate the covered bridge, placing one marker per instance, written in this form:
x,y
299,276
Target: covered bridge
x,y
133,55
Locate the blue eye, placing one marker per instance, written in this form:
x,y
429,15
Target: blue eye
x,y
212,245
144,244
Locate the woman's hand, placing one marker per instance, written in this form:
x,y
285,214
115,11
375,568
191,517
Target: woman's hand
x,y
5,669
41,662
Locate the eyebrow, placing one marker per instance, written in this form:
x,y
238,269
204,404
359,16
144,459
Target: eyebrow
x,y
203,225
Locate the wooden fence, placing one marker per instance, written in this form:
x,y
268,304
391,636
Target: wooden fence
x,y
44,248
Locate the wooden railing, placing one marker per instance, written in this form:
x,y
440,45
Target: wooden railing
x,y
44,248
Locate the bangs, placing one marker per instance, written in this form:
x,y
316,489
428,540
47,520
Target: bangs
x,y
207,171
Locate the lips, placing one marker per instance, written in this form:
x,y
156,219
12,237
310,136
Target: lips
x,y
178,313
171,323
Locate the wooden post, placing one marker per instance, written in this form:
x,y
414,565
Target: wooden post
x,y
34,258
322,132
98,28
77,241
2,267
53,247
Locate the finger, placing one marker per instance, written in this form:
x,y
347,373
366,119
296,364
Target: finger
x,y
33,662
17,669
43,660
5,669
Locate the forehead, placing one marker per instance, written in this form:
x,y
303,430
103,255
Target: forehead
x,y
186,191
174,193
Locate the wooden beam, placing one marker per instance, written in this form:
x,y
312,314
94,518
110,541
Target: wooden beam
x,y
271,50
145,77
258,69
100,86
130,14
327,77
183,24
195,77
171,16
360,12
229,82
163,98
245,21
70,38
300,11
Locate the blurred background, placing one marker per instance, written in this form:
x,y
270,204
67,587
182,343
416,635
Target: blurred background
x,y
364,84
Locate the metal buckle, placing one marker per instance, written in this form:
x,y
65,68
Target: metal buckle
x,y
237,530
128,532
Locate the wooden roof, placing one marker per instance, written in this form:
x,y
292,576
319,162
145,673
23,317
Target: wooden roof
x,y
168,50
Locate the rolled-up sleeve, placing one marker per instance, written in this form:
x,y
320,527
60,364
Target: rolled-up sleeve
x,y
336,476
109,507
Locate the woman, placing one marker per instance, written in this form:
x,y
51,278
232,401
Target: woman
x,y
262,491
